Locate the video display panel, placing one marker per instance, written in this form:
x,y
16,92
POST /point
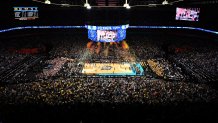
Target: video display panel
x,y
26,13
187,14
106,35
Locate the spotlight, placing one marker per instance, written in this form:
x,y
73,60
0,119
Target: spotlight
x,y
88,7
86,4
47,2
165,2
126,5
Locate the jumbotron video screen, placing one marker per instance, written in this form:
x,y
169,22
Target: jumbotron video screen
x,y
26,13
106,35
188,14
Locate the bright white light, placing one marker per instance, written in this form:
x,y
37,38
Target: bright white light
x,y
128,7
165,2
47,2
88,7
125,5
86,4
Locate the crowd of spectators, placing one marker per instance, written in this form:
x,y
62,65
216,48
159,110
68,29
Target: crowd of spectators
x,y
201,62
63,82
106,90
54,66
8,60
164,69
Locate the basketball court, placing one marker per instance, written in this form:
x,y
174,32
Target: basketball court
x,y
108,69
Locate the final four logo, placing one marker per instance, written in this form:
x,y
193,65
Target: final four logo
x,y
106,68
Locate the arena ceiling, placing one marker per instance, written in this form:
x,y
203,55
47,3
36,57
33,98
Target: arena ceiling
x,y
77,14
114,3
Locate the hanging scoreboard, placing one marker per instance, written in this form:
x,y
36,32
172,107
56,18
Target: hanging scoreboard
x,y
26,13
107,33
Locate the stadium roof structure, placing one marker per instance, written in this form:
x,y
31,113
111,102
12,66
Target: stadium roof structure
x,y
132,3
110,12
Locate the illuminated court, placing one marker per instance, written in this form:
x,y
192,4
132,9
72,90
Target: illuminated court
x,y
109,69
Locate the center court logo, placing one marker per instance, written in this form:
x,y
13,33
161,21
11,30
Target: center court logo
x,y
106,68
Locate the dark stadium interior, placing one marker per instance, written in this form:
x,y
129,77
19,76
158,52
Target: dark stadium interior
x,y
43,75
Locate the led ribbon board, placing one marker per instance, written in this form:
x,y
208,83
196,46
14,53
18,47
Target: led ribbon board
x,y
132,27
107,33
